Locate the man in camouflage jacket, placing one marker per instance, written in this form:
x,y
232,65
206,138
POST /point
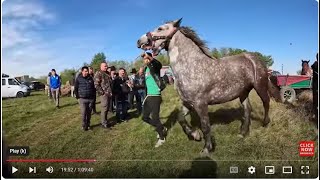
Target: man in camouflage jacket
x,y
102,83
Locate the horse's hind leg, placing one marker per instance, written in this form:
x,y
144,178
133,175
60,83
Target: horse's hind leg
x,y
245,124
263,93
195,135
202,111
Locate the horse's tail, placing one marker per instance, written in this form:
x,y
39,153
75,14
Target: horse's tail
x,y
273,91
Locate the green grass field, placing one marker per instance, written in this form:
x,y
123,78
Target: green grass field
x,y
128,149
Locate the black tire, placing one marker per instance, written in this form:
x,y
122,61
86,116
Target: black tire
x,y
287,94
20,94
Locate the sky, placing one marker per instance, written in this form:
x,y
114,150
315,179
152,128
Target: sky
x,y
38,35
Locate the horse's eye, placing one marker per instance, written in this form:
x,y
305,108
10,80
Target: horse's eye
x,y
160,29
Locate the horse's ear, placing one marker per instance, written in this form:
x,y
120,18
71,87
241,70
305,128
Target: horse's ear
x,y
308,61
177,23
301,60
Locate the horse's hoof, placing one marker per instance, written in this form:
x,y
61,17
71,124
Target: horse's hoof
x,y
243,134
240,136
265,123
204,152
196,135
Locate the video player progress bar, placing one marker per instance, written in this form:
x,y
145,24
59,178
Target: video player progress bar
x,y
134,160
52,160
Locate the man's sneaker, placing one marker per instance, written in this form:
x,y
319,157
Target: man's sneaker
x,y
160,142
165,132
106,127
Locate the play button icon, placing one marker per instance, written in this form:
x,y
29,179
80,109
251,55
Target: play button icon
x,y
13,169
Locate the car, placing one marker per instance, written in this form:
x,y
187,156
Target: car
x,y
25,83
11,87
36,86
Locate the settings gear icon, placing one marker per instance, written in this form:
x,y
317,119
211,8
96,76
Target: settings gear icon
x,y
251,170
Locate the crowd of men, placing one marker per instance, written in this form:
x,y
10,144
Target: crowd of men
x,y
117,91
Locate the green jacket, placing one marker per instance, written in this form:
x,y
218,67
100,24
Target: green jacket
x,y
155,67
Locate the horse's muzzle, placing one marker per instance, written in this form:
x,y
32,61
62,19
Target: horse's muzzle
x,y
139,44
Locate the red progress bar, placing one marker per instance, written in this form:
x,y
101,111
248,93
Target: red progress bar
x,y
52,160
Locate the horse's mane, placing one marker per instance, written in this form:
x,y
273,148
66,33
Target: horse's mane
x,y
191,34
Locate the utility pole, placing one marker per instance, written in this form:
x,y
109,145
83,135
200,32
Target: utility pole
x,y
282,69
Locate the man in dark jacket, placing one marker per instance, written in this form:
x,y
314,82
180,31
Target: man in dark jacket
x,y
139,89
121,89
85,92
151,104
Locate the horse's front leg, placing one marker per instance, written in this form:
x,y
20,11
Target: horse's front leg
x,y
202,111
192,134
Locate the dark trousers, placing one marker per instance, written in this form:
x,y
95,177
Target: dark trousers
x,y
141,94
105,102
112,105
122,108
85,111
134,94
93,104
130,99
151,106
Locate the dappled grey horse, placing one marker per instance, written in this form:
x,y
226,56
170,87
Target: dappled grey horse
x,y
203,80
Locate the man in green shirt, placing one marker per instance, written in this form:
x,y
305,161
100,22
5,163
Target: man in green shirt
x,y
151,104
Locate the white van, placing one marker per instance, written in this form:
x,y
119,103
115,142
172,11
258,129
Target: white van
x,y
11,87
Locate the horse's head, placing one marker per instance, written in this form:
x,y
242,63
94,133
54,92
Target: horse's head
x,y
159,38
305,64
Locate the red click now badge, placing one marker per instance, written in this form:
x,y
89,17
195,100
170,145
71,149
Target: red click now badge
x,y
306,148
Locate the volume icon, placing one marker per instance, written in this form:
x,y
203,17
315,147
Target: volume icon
x,y
49,169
